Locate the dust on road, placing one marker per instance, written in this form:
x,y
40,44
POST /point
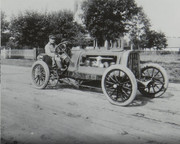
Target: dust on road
x,y
69,115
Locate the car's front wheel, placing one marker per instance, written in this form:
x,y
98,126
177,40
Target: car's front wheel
x,y
119,85
157,79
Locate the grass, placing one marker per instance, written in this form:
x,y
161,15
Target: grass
x,y
169,58
18,62
171,62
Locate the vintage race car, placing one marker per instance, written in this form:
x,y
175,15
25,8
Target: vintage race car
x,y
117,72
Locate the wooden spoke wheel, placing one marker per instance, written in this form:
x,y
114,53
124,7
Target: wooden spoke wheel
x,y
40,74
157,79
119,85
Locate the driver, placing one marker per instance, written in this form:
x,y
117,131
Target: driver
x,y
50,51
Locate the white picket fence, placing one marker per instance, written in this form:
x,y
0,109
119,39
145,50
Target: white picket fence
x,y
16,53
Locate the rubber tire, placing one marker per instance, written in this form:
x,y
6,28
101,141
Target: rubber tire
x,y
47,73
132,79
163,72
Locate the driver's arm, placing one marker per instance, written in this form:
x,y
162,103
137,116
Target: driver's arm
x,y
48,52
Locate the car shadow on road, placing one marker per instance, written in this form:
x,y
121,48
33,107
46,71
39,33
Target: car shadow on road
x,y
73,87
139,100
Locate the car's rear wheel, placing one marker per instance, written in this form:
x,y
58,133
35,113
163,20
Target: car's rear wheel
x,y
158,80
119,85
40,74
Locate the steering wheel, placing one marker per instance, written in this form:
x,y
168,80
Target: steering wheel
x,y
61,49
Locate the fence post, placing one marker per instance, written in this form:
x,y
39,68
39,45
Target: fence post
x,y
9,53
3,53
34,53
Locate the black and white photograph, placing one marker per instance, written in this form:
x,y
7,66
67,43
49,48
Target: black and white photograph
x,y
90,72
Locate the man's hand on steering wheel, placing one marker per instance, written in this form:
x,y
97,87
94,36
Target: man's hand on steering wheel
x,y
60,48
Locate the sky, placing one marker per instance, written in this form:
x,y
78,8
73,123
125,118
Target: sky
x,y
164,15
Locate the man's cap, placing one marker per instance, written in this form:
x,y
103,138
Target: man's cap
x,y
52,37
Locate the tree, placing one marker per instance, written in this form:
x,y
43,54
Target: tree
x,y
32,28
138,29
141,35
5,35
82,38
108,19
4,23
29,29
156,39
61,24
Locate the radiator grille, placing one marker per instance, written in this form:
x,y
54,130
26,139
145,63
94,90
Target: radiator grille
x,y
134,63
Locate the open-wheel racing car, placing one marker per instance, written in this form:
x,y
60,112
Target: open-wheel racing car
x,y
117,72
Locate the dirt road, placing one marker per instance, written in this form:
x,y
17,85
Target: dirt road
x,y
69,115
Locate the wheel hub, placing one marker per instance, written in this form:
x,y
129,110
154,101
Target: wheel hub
x,y
115,85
